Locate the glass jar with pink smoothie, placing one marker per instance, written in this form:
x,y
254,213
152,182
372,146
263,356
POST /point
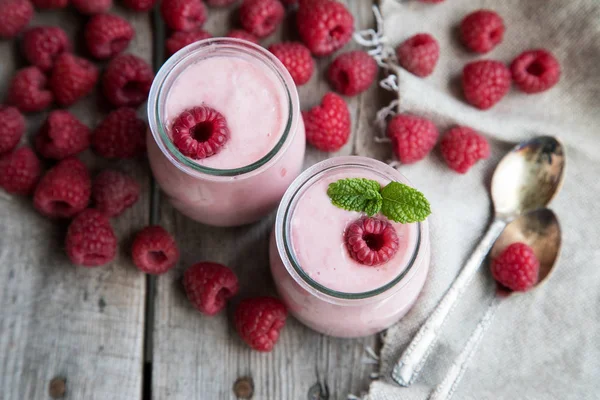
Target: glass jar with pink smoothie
x,y
321,282
226,135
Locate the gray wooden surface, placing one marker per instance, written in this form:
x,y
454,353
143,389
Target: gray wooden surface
x,y
88,326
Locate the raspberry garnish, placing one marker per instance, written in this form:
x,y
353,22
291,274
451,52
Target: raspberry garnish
x,y
154,250
485,83
371,241
28,90
412,137
50,3
64,191
462,147
328,124
419,54
297,60
261,17
19,171
91,241
259,322
127,81
209,285
179,40
324,25
139,5
42,44
535,71
242,34
91,7
72,78
482,30
183,15
113,192
107,35
516,268
121,135
12,127
220,3
352,73
62,136
14,17
200,132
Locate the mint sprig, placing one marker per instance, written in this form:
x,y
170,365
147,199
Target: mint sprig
x,y
397,201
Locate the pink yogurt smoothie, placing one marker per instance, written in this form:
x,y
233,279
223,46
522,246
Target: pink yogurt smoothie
x,y
340,304
265,150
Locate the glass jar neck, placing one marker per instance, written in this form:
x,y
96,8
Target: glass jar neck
x,y
219,47
283,226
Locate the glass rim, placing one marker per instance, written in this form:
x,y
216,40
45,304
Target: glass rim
x,y
206,46
285,212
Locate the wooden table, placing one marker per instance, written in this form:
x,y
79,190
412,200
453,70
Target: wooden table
x,y
114,333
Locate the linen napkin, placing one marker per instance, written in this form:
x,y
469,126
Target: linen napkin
x,y
544,344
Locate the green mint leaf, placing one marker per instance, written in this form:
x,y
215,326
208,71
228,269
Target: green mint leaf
x,y
356,194
404,204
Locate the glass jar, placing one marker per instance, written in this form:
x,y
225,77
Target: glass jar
x,y
225,197
329,311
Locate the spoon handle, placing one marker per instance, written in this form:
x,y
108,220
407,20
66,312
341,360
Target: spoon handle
x,y
412,360
446,389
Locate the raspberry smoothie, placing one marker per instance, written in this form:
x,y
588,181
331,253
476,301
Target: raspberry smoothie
x,y
226,135
321,282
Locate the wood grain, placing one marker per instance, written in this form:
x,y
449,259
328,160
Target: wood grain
x,y
84,326
197,357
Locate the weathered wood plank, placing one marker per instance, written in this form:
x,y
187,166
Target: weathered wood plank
x,y
196,357
83,325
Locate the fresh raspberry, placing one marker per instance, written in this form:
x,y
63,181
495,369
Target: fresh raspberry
x,y
328,124
462,147
516,268
64,191
535,71
259,321
121,135
127,81
296,58
50,3
19,171
200,132
92,7
179,40
419,54
139,5
113,192
371,241
482,30
220,3
107,35
352,73
412,137
28,90
324,25
261,17
72,78
91,241
42,44
154,250
485,83
183,15
62,136
12,127
209,285
14,17
242,34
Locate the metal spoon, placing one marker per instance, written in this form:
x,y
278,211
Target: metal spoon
x,y
527,178
541,231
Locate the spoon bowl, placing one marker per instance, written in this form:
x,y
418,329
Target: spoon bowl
x,y
528,177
